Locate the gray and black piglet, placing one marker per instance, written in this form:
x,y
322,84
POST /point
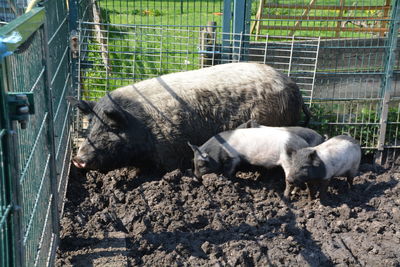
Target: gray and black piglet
x,y
315,166
265,147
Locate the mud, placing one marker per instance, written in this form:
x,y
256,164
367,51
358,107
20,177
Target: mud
x,y
127,218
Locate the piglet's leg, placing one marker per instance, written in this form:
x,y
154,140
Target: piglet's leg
x,y
350,177
288,189
311,190
230,167
323,187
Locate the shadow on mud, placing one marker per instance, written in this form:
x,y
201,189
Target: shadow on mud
x,y
201,243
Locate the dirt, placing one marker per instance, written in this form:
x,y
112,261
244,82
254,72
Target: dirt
x,y
128,218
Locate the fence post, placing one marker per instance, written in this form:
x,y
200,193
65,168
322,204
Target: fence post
x,y
9,223
207,44
386,85
55,212
241,27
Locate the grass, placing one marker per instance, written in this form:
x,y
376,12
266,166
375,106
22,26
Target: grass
x,y
185,12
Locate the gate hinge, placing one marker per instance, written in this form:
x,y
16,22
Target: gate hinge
x,y
20,105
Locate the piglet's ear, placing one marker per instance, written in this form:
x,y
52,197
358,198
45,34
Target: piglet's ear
x,y
204,156
313,155
85,106
290,152
193,147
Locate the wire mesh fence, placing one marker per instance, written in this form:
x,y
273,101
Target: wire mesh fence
x,y
134,53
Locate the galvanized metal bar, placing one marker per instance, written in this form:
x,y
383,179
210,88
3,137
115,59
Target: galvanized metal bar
x,y
51,141
9,171
315,72
392,41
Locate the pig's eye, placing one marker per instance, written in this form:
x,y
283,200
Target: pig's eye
x,y
201,163
114,127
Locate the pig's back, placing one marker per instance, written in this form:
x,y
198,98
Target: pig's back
x,y
339,154
263,146
235,79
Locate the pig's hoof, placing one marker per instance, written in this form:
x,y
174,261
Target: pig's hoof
x,y
286,197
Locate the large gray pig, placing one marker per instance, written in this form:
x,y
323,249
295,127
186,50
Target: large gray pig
x,y
264,147
315,166
152,120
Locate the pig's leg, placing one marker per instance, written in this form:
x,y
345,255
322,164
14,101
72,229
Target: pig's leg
x,y
230,167
288,189
350,178
311,190
323,187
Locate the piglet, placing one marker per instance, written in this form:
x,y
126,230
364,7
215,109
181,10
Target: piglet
x,y
315,166
264,147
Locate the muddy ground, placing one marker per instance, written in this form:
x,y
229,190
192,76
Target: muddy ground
x,y
126,218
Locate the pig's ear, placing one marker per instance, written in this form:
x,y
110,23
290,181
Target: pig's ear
x,y
116,116
313,155
193,147
290,152
85,106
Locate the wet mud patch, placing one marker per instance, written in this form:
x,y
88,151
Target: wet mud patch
x,y
128,218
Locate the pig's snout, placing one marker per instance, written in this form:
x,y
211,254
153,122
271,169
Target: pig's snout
x,y
79,163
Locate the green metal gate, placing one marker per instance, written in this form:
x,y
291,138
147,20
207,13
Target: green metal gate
x,y
35,135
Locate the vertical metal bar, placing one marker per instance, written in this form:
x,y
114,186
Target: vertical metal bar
x,y
11,235
12,165
239,9
238,26
240,47
241,23
51,141
226,30
389,68
74,60
315,71
291,56
266,49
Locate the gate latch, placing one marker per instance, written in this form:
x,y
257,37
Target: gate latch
x,y
21,105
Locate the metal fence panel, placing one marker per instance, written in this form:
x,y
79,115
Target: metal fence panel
x,y
34,151
39,67
61,86
7,231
